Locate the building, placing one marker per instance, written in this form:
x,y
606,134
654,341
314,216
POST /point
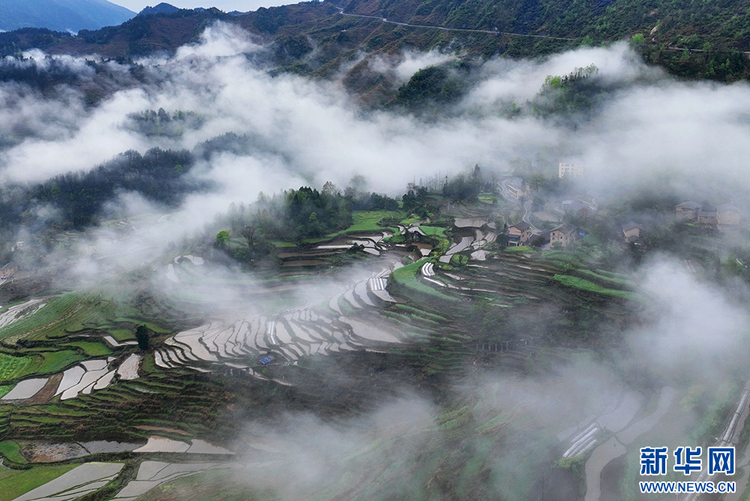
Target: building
x,y
569,170
8,271
707,216
727,215
687,210
633,232
518,189
565,234
519,234
576,207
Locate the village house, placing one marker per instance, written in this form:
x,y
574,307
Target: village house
x,y
706,216
576,207
633,232
687,210
519,234
727,216
565,234
569,170
8,271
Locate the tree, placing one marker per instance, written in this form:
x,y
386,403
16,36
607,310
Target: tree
x,y
222,239
637,39
251,233
330,189
142,335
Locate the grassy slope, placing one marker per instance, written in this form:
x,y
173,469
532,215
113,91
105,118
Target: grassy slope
x,y
12,451
585,285
407,277
22,481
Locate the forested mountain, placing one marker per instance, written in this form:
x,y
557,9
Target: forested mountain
x,y
690,23
162,8
692,39
61,15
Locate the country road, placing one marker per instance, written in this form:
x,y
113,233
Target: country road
x,y
495,32
466,30
505,192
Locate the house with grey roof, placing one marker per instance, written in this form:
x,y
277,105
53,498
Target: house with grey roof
x,y
688,211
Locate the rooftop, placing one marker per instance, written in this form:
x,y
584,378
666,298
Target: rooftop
x,y
522,226
690,205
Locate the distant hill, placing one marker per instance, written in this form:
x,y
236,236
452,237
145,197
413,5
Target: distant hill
x,y
693,39
61,15
162,8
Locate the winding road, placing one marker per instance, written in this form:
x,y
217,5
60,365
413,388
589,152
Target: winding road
x,y
465,30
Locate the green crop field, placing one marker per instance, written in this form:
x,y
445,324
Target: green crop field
x,y
585,285
23,481
434,231
407,276
607,280
417,311
91,349
520,249
12,367
12,451
367,221
54,362
53,313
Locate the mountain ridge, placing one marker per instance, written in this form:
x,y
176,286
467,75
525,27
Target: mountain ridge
x,y
61,15
161,8
695,40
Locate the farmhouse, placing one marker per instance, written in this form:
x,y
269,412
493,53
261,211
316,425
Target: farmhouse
x,y
565,234
687,210
519,234
633,232
8,271
727,216
576,207
707,216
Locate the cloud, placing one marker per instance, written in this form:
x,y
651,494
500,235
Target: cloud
x,y
695,327
310,129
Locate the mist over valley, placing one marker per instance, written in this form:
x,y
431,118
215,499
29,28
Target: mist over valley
x,y
245,267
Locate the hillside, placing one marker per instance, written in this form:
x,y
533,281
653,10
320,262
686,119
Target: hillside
x,y
162,8
694,40
61,15
689,23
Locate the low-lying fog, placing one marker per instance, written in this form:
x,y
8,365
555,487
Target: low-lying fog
x,y
650,132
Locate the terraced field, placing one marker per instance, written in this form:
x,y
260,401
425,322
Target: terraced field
x,y
247,343
76,378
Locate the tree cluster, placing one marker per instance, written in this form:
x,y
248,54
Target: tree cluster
x,y
162,123
158,175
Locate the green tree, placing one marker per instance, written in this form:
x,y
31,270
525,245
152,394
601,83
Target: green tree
x,y
142,336
637,39
222,239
